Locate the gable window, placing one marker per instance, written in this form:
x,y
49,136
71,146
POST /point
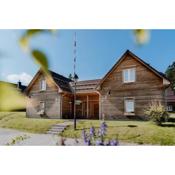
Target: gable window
x,y
129,75
43,85
129,105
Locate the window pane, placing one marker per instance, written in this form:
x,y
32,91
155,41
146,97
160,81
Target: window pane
x,y
129,75
42,105
132,75
43,85
129,105
125,75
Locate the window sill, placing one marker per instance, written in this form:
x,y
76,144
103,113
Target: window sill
x,y
42,90
129,113
129,82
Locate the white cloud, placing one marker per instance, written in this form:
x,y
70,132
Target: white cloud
x,y
23,77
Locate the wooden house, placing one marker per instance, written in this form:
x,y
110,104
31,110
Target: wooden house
x,y
124,92
170,99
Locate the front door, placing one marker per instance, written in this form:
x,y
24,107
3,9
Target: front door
x,y
96,110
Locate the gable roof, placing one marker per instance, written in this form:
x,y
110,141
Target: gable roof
x,y
128,52
60,81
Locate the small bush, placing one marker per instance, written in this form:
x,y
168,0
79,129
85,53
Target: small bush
x,y
157,112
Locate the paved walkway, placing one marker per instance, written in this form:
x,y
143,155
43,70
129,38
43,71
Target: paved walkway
x,y
8,135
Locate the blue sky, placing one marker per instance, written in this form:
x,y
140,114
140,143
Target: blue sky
x,y
97,52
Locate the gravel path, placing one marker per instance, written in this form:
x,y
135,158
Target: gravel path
x,y
29,139
7,135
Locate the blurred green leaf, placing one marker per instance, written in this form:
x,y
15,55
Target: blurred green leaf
x,y
28,34
141,36
24,40
40,58
24,43
32,32
11,98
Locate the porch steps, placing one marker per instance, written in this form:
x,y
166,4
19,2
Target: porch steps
x,y
58,128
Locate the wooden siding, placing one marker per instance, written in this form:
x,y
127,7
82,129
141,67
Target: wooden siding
x,y
146,88
67,106
51,98
89,107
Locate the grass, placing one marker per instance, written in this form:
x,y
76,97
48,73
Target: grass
x,y
18,120
140,132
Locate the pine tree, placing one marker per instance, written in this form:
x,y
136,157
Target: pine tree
x,y
170,73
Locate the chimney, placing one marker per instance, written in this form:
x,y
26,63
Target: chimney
x,y
19,84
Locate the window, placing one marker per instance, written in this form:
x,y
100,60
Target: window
x,y
129,75
43,85
129,105
170,108
42,106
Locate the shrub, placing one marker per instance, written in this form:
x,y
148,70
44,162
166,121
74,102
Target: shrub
x,y
157,112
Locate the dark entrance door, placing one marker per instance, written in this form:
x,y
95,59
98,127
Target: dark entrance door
x,y
96,110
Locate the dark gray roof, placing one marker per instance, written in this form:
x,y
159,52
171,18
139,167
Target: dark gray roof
x,y
67,84
61,81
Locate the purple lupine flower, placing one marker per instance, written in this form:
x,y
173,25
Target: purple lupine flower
x,y
104,125
88,142
114,142
103,129
92,132
99,143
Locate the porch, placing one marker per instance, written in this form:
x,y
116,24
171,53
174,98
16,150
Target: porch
x,y
87,106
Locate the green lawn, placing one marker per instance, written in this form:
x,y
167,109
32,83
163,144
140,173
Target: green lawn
x,y
140,132
18,120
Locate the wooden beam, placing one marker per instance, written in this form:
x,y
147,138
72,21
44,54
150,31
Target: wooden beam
x,y
87,101
82,104
61,105
100,115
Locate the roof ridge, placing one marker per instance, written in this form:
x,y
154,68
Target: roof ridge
x,y
90,80
52,72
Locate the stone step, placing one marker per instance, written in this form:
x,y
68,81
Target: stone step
x,y
56,130
52,132
59,127
65,124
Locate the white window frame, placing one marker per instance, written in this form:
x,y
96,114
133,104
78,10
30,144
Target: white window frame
x,y
125,105
43,85
129,75
169,108
43,105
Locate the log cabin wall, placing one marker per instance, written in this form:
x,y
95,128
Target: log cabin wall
x,y
146,88
50,97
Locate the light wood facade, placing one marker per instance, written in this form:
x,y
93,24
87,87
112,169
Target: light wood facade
x,y
107,98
